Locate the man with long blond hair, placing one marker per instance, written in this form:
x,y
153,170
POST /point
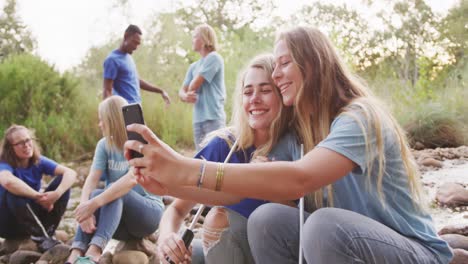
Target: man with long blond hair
x,y
204,85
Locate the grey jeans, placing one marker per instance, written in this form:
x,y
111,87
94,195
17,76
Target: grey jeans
x,y
331,235
233,245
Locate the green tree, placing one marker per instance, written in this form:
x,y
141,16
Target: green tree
x,y
14,36
35,95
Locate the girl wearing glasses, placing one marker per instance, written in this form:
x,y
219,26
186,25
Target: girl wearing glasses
x,y
21,169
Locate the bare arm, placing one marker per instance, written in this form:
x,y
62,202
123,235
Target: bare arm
x,y
118,189
151,88
187,97
16,186
194,194
196,83
169,242
174,216
107,88
68,178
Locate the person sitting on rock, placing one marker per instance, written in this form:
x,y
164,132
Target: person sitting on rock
x,y
21,171
123,209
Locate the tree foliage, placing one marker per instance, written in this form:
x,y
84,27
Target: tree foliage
x,y
14,36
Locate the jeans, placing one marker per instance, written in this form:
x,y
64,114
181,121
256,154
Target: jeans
x,y
233,246
131,216
201,129
331,235
17,222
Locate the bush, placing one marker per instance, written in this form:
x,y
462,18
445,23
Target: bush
x,y
37,96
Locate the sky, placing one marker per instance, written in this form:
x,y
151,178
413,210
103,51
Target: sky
x,y
66,29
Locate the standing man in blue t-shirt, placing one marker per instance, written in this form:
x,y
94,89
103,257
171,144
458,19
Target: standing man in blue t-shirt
x,y
204,85
120,73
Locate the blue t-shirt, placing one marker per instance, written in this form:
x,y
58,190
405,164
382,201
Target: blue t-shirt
x,y
212,93
32,175
218,149
114,165
120,67
352,192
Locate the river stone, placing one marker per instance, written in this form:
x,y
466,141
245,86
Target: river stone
x,y
130,257
24,257
56,255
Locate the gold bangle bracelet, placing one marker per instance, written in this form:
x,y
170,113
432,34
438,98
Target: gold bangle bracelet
x,y
219,176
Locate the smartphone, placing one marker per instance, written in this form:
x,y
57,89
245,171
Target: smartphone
x,y
133,114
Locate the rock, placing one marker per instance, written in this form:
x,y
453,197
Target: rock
x,y
432,162
460,256
144,245
28,245
452,194
61,235
106,258
24,257
419,146
5,259
10,245
56,255
460,229
130,257
456,241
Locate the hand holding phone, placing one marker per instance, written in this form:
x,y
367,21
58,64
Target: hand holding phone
x,y
133,114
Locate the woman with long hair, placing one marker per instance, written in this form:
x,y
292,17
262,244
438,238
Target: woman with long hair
x,y
358,169
21,171
259,120
123,209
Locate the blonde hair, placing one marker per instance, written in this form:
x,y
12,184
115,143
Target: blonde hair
x,y
110,113
328,90
7,153
240,128
208,35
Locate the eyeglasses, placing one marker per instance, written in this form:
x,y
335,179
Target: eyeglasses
x,y
23,142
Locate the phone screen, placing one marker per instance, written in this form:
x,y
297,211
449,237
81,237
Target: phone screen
x,y
133,114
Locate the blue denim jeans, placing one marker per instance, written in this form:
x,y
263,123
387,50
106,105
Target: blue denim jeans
x,y
131,216
16,221
331,235
201,129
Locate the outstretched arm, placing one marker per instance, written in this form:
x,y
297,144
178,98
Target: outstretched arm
x,y
271,181
151,88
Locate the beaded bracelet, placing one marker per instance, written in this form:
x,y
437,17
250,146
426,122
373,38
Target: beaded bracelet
x,y
201,174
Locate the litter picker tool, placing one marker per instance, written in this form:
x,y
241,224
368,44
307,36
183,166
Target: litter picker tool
x,y
187,237
48,242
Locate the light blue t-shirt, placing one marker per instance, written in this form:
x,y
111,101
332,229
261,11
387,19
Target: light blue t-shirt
x,y
351,193
114,165
120,67
286,149
212,93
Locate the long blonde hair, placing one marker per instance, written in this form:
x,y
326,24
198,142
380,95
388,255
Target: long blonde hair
x,y
240,128
328,90
110,113
7,153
